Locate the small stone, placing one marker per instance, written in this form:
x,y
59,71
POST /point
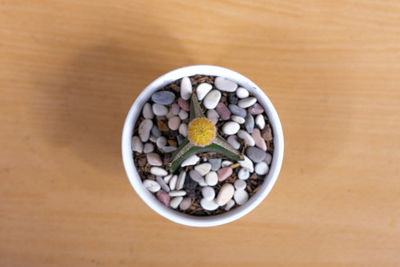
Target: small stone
x,y
256,109
225,194
157,171
249,124
162,183
215,164
255,154
232,140
212,98
163,97
160,110
152,138
229,205
260,122
246,137
197,177
225,85
232,99
136,145
226,163
243,174
183,115
260,142
153,159
170,114
162,125
231,128
175,202
202,90
240,184
192,160
169,149
261,168
241,197
175,109
180,139
186,203
183,129
242,92
172,142
181,180
238,111
177,193
238,119
163,197
155,131
247,102
203,168
148,147
212,178
209,205
224,173
147,112
172,182
174,122
161,142
186,88
144,129
208,192
268,158
167,178
247,164
223,111
213,116
151,185
267,133
183,104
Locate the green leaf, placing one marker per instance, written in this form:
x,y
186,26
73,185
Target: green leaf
x,y
195,109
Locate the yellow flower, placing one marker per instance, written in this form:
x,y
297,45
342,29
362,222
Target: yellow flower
x,y
201,132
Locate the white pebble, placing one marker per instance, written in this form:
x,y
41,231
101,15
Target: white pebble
x,y
208,192
153,138
172,182
242,92
212,99
230,128
162,183
247,102
208,204
157,171
147,111
229,205
168,149
181,180
175,109
137,145
160,110
232,140
195,176
202,90
186,88
161,142
212,178
174,122
151,185
241,197
148,147
226,163
186,203
144,129
175,202
213,116
261,168
177,193
167,178
247,164
203,168
240,184
153,159
183,129
268,158
192,160
224,84
238,119
243,174
183,114
260,122
225,194
246,137
170,114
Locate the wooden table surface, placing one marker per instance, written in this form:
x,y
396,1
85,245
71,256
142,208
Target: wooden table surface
x,y
69,71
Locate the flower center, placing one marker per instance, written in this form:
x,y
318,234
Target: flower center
x,y
201,132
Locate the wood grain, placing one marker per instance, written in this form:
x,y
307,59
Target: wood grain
x,y
69,71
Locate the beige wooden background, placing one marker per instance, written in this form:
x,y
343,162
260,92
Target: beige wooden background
x,y
70,69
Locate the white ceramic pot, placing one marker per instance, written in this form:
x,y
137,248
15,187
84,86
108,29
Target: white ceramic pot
x,y
150,199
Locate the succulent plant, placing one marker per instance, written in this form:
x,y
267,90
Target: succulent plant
x,y
202,136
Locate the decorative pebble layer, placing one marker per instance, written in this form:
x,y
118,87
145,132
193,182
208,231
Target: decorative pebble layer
x,y
207,183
